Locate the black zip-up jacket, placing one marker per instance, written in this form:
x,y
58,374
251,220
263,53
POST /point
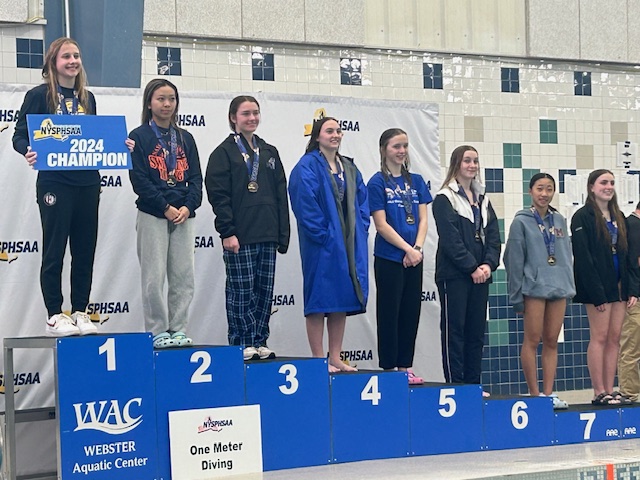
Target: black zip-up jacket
x,y
459,253
596,279
257,217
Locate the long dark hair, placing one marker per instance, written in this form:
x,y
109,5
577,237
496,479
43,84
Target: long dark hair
x,y
456,160
151,87
614,211
386,136
235,104
50,76
315,133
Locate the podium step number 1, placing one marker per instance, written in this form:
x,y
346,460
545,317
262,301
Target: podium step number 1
x,y
106,400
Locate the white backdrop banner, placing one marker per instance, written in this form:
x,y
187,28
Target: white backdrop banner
x,y
115,296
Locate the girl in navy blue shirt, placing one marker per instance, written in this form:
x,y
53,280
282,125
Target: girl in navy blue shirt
x,y
398,203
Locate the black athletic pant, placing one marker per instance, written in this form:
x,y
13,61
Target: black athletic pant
x,y
67,213
463,319
399,292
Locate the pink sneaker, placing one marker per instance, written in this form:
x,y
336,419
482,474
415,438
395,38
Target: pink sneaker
x,y
413,378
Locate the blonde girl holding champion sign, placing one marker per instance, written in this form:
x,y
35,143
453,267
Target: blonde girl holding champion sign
x,y
68,200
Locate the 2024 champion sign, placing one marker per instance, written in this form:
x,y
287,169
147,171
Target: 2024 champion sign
x,y
79,142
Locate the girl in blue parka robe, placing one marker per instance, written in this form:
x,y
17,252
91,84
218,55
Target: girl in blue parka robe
x,y
329,200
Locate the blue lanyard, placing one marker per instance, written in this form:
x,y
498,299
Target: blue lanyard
x,y
170,151
252,164
337,177
405,194
63,104
549,234
613,231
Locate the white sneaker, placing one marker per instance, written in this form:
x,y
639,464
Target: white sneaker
x,y
84,323
558,404
251,353
265,352
61,325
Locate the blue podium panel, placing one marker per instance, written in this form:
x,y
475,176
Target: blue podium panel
x,y
630,421
293,395
454,409
194,378
584,423
369,415
518,422
107,407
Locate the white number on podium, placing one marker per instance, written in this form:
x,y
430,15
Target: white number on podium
x,y
519,418
590,418
289,371
109,348
370,391
200,375
448,402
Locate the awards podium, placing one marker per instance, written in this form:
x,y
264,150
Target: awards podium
x,y
122,410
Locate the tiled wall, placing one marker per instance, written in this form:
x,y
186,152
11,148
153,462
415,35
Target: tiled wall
x,y
523,116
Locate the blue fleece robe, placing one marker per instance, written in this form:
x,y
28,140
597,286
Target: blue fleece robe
x,y
333,247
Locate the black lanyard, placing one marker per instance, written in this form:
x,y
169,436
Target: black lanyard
x,y
477,221
63,103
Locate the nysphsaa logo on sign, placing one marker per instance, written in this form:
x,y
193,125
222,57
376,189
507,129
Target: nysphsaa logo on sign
x,y
107,416
345,125
48,129
210,425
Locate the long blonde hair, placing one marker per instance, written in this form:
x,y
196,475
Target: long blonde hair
x,y
50,76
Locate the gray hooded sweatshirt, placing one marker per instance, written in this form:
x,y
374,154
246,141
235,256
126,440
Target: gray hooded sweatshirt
x,y
526,260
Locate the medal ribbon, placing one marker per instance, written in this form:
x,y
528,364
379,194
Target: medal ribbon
x,y
63,104
549,234
405,194
252,164
339,180
613,231
476,209
171,151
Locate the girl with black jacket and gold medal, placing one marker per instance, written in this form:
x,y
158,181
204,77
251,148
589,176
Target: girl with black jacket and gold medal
x,y
247,189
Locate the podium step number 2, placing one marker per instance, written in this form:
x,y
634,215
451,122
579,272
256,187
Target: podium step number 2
x,y
106,402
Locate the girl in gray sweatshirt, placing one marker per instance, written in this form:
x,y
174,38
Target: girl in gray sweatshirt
x,y
539,267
